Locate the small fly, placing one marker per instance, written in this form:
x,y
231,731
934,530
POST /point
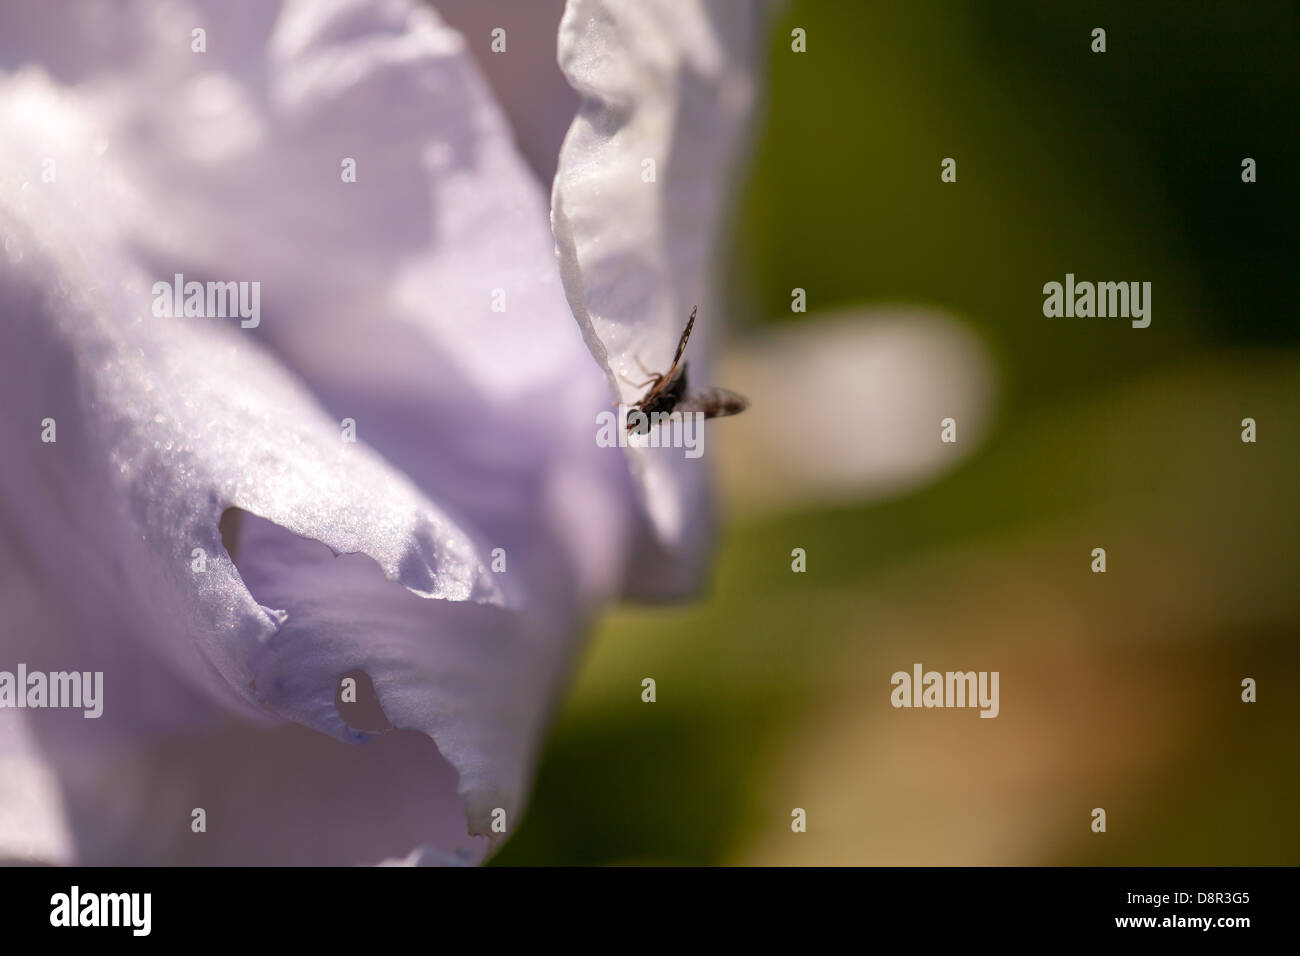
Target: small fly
x,y
668,392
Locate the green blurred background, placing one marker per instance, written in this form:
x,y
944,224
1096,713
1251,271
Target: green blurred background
x,y
1120,690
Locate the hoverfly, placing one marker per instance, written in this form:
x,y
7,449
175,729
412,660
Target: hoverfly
x,y
668,392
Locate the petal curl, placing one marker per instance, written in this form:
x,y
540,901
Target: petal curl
x,y
636,207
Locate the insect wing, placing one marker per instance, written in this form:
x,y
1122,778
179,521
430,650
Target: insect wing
x,y
714,403
681,344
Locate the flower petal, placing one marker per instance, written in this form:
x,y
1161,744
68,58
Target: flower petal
x,y
440,324
227,165
161,425
524,75
636,207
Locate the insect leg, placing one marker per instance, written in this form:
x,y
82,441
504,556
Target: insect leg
x,y
653,380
